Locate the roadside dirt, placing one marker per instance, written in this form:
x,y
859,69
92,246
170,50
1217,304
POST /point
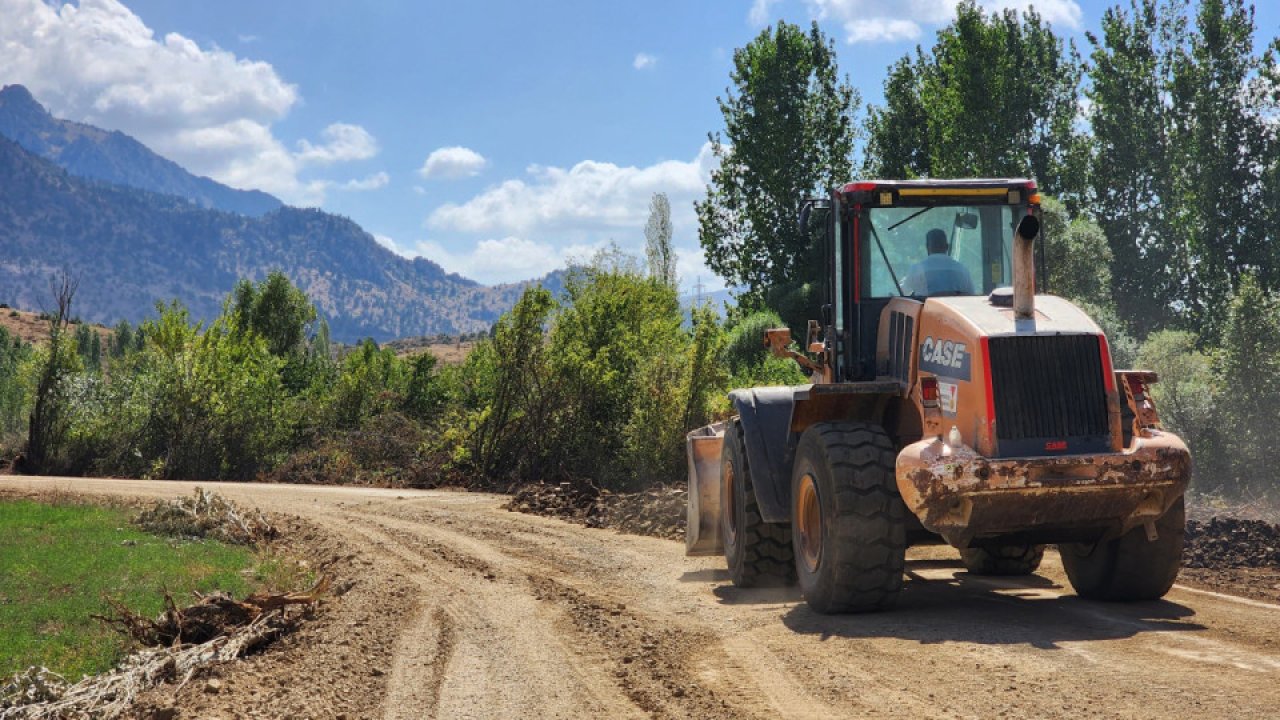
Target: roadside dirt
x,y
461,609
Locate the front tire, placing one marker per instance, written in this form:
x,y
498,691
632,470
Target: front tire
x,y
848,526
1129,567
1002,559
757,553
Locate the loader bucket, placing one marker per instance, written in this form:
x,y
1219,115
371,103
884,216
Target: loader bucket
x,y
702,531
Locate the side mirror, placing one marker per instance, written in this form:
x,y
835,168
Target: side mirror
x,y
967,220
826,315
805,211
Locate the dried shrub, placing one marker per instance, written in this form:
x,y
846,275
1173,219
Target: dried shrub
x,y
206,514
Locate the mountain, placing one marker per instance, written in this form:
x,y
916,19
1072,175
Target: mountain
x,y
130,248
90,152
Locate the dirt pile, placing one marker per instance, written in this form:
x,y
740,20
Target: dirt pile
x,y
1222,543
656,512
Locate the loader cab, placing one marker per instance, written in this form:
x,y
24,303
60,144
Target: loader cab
x,y
879,248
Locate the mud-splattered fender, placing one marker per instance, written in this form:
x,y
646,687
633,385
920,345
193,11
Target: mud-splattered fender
x,y
765,413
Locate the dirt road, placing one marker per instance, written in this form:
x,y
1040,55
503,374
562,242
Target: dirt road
x,y
460,609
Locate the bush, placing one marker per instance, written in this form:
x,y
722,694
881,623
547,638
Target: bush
x,y
1187,398
744,348
1249,374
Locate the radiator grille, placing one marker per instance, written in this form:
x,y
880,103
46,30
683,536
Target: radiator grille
x,y
901,334
1049,394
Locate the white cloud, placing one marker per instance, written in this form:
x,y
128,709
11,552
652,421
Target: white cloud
x,y
591,196
644,61
524,227
877,21
205,108
881,30
759,15
342,143
452,162
508,259
373,182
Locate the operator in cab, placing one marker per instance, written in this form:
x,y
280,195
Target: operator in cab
x,y
939,273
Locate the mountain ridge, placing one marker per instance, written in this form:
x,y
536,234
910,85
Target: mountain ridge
x,y
112,156
132,248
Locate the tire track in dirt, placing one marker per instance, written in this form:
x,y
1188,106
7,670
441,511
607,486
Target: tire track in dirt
x,y
506,661
683,637
514,616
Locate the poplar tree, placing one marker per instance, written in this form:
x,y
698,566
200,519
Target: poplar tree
x,y
789,134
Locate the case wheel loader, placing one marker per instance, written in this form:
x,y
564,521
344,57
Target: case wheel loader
x,y
948,402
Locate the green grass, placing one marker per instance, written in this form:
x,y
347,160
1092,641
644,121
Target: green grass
x,y
58,563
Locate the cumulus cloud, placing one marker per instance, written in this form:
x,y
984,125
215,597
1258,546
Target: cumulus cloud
x,y
591,195
342,143
876,21
525,227
644,61
205,108
452,162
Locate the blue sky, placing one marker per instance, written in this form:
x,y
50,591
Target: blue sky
x,y
496,138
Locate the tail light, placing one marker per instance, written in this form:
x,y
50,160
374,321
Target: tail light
x,y
929,392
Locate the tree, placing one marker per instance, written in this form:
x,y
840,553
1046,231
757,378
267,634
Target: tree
x,y
997,96
276,310
47,429
657,236
1249,369
1131,176
121,339
1183,115
789,134
1076,256
1218,138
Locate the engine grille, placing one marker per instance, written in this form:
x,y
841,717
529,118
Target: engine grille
x,y
901,340
1050,396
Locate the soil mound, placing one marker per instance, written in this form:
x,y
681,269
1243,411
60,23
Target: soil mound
x,y
1232,543
656,512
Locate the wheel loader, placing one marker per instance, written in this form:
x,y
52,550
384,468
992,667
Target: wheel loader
x,y
947,403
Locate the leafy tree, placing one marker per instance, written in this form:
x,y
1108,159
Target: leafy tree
x,y
657,235
789,134
1217,138
1184,146
1076,256
276,310
1131,177
121,339
424,393
83,341
997,96
1250,367
14,355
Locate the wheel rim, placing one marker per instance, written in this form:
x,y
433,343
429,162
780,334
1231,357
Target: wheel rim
x,y
729,505
809,522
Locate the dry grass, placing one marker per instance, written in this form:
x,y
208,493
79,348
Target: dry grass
x,y
32,328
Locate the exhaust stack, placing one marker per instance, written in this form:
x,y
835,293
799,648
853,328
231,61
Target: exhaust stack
x,y
1024,268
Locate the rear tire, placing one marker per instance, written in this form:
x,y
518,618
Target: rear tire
x,y
1129,567
848,527
1002,559
757,553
